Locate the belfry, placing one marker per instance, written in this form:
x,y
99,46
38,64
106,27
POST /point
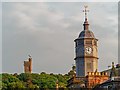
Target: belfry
x,y
86,60
86,50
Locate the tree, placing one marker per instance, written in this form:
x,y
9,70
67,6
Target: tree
x,y
33,81
43,73
47,81
24,77
8,78
16,85
4,86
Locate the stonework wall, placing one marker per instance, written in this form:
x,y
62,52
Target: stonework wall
x,y
94,78
28,66
80,67
86,62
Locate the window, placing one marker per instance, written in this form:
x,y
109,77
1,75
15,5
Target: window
x,y
79,43
89,42
89,66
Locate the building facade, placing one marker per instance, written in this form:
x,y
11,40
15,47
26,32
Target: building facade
x,y
88,81
111,84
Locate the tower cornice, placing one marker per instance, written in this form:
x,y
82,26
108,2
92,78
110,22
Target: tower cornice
x,y
86,57
85,38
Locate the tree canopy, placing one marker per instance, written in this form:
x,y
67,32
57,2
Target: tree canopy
x,y
33,80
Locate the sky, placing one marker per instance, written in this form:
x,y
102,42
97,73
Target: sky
x,y
118,31
47,30
60,0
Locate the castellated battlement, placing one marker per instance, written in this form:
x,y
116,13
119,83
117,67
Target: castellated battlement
x,y
94,78
97,74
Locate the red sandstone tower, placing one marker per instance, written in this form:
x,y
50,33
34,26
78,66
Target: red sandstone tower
x,y
28,65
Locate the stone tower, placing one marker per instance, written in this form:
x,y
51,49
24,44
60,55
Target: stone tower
x,y
28,65
86,50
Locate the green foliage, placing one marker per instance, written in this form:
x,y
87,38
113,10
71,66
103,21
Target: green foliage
x,y
8,78
71,73
0,77
43,73
0,85
36,79
62,80
15,85
33,81
47,81
0,81
24,77
4,86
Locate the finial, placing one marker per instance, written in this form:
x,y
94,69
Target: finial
x,y
112,64
29,56
86,11
86,24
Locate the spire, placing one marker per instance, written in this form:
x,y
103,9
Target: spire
x,y
113,72
86,25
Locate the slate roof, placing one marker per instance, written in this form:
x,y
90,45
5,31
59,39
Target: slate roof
x,y
86,34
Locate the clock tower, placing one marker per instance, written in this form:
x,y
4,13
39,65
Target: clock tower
x,y
86,50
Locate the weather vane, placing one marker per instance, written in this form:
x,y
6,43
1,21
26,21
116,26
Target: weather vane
x,y
86,11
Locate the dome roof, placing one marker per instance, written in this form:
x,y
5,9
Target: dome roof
x,y
86,34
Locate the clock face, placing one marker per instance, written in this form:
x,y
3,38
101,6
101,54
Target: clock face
x,y
88,50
